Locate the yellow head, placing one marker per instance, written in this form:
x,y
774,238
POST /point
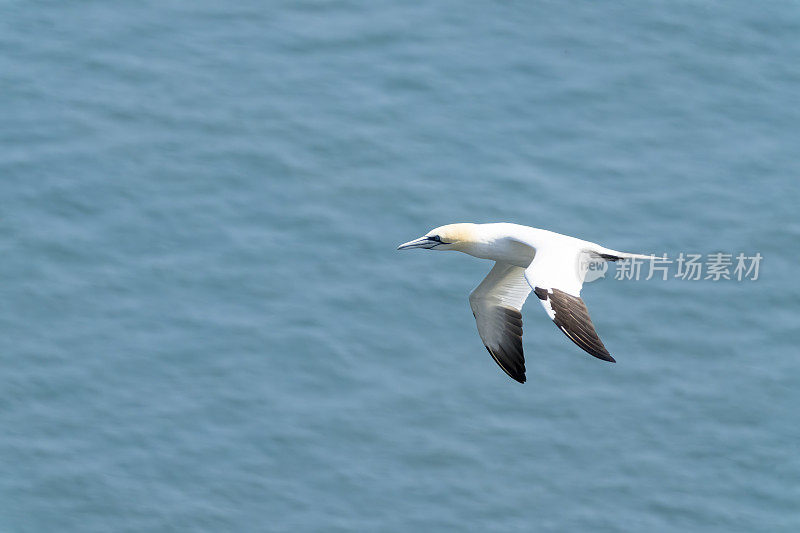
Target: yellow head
x,y
450,237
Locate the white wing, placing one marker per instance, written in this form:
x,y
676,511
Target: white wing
x,y
557,278
496,304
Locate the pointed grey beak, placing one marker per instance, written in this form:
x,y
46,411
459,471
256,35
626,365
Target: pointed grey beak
x,y
422,242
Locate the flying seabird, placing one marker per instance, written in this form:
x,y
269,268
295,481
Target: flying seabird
x,y
550,264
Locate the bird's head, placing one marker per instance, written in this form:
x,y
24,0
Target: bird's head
x,y
450,237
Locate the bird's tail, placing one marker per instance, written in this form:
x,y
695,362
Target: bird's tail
x,y
612,255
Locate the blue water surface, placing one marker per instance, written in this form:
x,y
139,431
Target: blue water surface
x,y
205,326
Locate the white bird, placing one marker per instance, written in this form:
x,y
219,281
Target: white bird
x,y
550,264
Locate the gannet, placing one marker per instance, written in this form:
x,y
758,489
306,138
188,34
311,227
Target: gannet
x,y
526,258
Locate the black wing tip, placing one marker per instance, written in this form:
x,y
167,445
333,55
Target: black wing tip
x,y
517,375
600,353
607,358
572,318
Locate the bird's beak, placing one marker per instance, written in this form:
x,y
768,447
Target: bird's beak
x,y
422,242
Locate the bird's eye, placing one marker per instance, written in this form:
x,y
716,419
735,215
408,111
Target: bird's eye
x,y
435,238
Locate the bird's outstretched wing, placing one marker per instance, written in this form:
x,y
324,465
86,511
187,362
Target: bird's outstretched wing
x,y
556,277
496,304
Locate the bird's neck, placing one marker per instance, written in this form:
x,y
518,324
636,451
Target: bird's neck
x,y
493,241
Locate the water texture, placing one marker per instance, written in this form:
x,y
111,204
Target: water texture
x,y
205,326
